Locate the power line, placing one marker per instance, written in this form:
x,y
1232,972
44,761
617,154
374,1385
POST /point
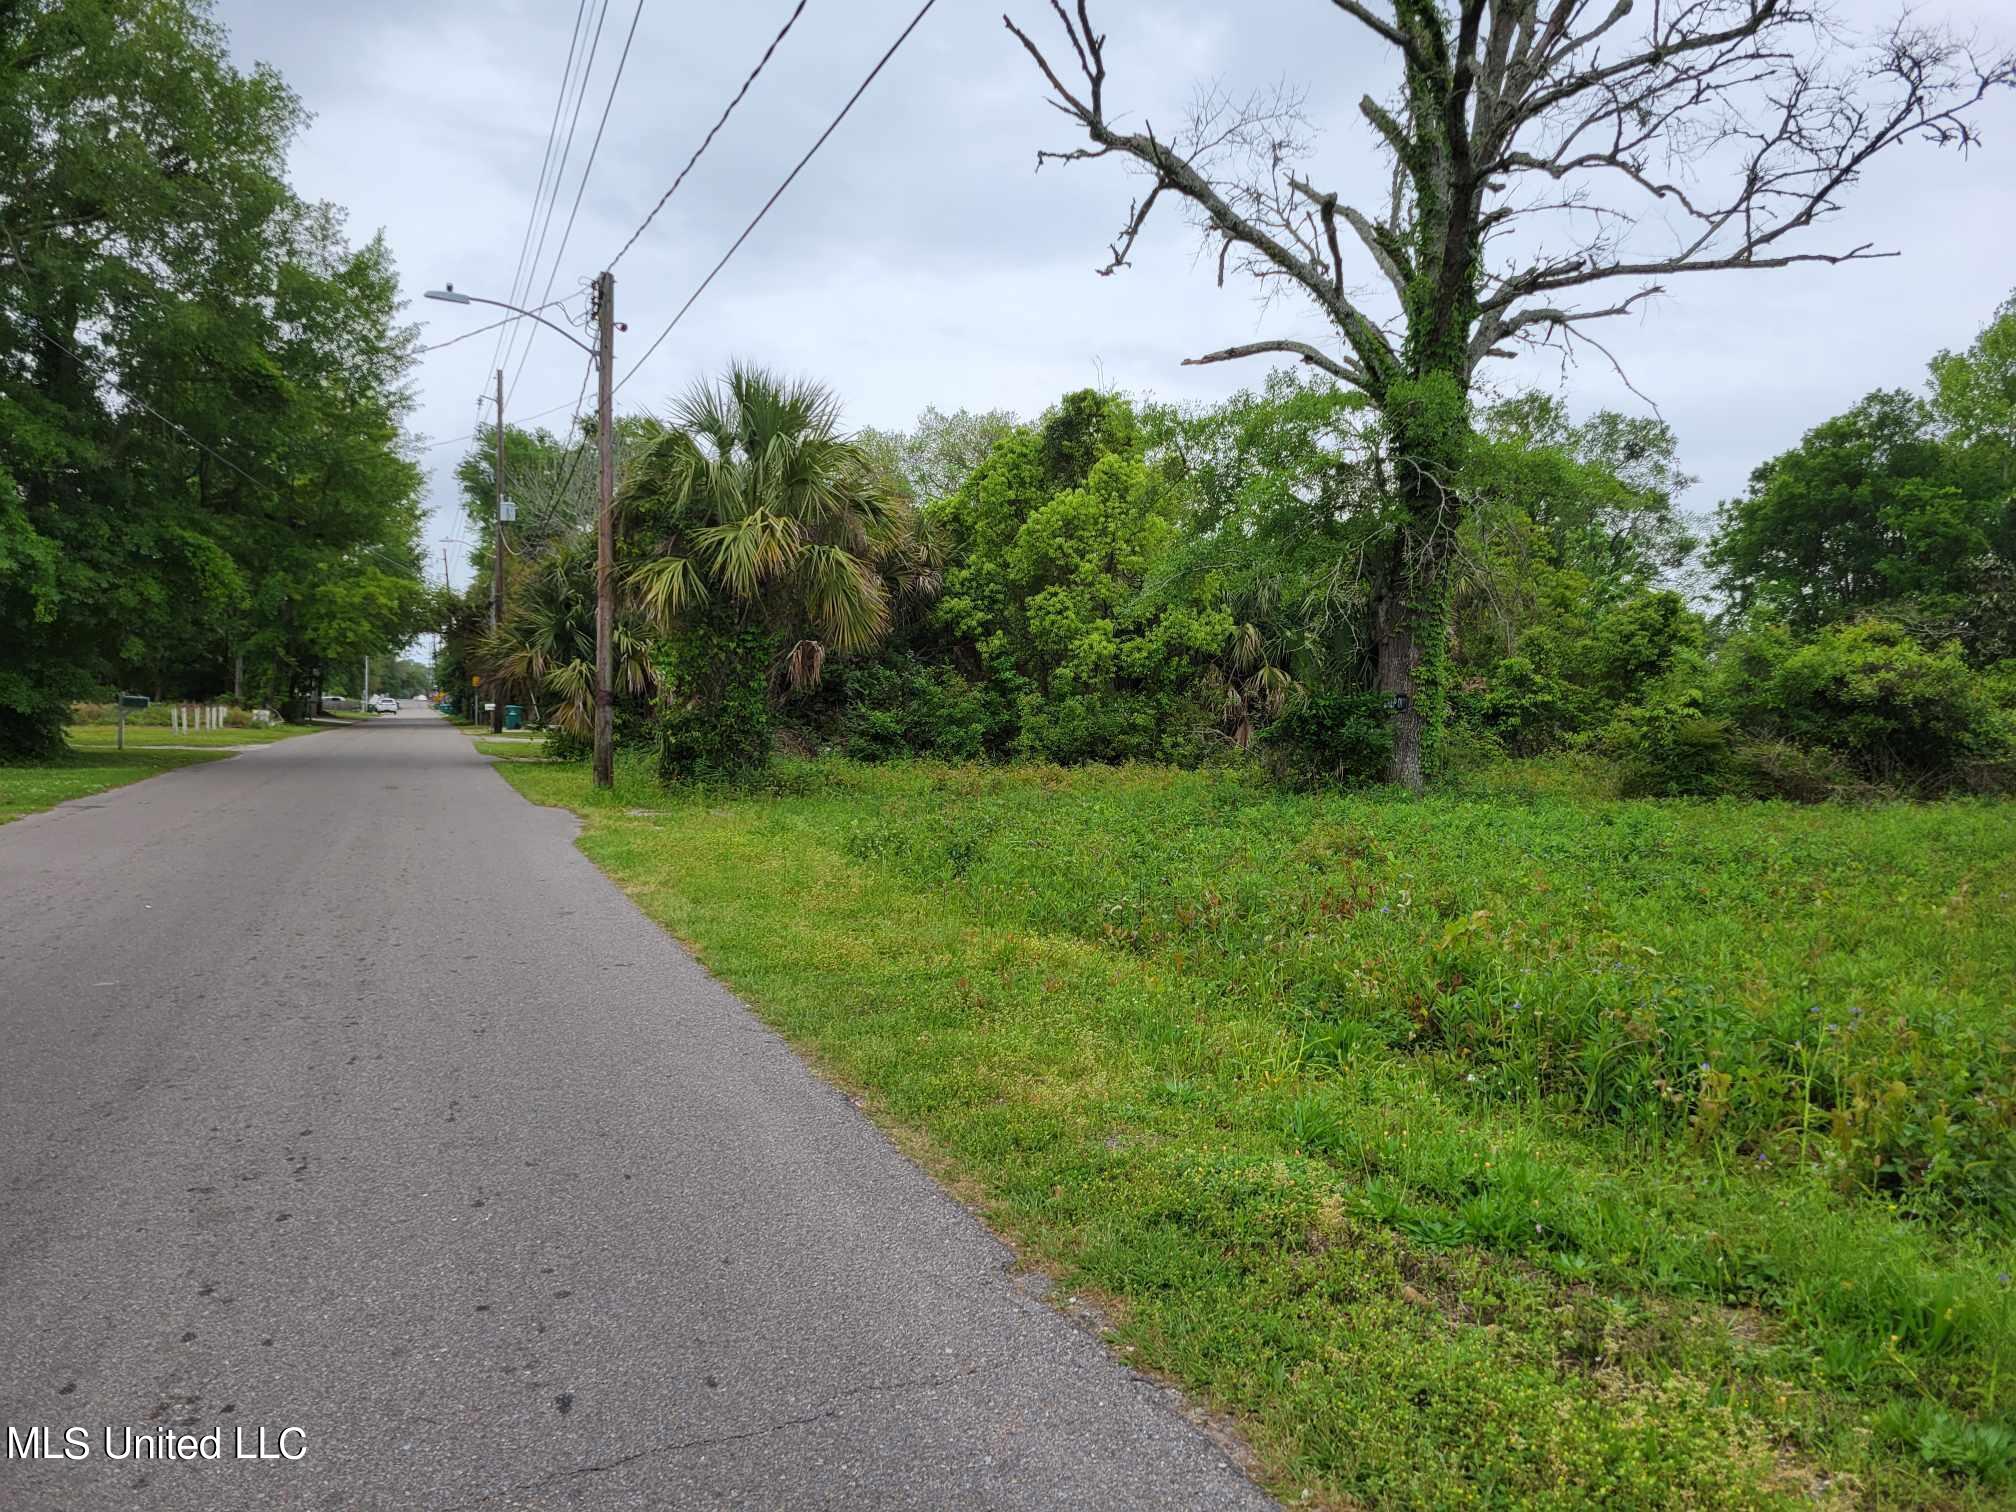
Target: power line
x,y
476,435
581,188
779,192
581,444
550,172
535,415
566,151
706,141
539,190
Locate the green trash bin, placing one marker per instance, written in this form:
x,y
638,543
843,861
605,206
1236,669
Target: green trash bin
x,y
514,717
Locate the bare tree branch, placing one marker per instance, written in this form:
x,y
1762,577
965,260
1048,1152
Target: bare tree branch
x,y
1387,32
1281,250
1346,370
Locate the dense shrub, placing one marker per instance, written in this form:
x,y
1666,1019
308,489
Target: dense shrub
x,y
1054,536
1670,747
1894,708
1331,737
1526,705
1118,726
715,721
900,706
1804,774
1638,642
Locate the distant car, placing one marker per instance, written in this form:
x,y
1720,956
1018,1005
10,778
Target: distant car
x,y
384,703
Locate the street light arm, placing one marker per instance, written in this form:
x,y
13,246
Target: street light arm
x,y
458,297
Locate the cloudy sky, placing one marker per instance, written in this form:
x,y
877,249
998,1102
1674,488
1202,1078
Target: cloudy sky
x,y
919,259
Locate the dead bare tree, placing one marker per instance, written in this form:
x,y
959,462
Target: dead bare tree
x,y
1536,148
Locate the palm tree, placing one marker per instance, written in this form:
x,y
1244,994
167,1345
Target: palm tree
x,y
544,646
753,506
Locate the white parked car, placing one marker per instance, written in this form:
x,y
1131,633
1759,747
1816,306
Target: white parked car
x,y
384,703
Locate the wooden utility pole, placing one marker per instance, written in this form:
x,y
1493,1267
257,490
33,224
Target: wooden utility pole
x,y
605,536
497,557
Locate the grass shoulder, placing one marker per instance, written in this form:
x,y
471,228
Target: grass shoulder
x,y
97,737
30,787
1513,1150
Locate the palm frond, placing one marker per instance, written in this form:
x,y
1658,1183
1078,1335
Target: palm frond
x,y
757,497
802,666
748,553
666,587
844,598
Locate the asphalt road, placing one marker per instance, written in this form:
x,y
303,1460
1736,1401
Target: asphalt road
x,y
338,1092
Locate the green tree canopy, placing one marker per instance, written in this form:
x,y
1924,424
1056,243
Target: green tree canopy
x,y
1875,508
201,383
1052,540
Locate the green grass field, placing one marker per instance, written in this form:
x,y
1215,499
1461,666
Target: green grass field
x,y
97,737
25,789
511,749
1468,1151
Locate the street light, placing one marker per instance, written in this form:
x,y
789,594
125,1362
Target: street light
x,y
604,355
450,295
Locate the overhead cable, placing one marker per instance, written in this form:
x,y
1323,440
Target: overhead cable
x,y
778,193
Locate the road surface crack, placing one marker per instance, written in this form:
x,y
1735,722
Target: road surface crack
x,y
680,1446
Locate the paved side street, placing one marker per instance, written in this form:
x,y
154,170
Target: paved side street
x,y
341,1094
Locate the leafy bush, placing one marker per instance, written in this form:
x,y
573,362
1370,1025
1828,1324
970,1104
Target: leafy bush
x,y
1331,737
715,721
900,706
1119,726
1894,708
1804,774
1637,643
1054,536
1670,747
1526,704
